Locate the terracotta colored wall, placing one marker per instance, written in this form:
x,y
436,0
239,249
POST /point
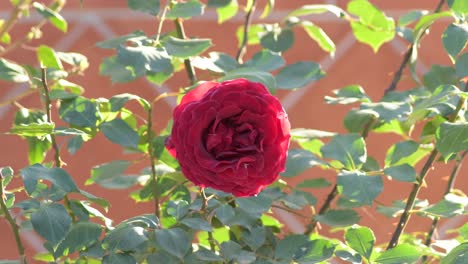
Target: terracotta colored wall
x,y
354,63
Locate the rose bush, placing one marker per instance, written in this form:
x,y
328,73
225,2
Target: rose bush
x,y
231,136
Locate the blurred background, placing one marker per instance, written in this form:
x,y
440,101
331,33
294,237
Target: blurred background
x,y
353,63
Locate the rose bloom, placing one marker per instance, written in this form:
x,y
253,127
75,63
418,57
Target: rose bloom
x,y
231,136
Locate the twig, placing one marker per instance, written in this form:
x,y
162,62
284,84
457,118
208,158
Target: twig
x,y
334,192
17,97
203,210
28,37
14,16
58,161
12,223
406,59
154,178
453,176
188,64
245,38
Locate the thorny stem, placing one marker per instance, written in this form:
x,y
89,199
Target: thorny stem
x,y
188,65
203,209
417,186
154,178
406,59
334,192
12,223
453,176
245,38
58,161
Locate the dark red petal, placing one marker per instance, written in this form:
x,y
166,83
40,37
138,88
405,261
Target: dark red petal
x,y
197,93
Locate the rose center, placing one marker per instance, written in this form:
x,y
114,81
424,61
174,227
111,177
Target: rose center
x,y
230,139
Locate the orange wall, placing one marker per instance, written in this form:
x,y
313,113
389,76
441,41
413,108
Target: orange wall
x,y
354,63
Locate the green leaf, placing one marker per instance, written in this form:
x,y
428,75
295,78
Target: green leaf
x,y
461,66
185,48
33,129
197,224
287,246
300,160
405,152
6,175
317,34
403,253
48,57
55,18
147,6
348,149
452,138
38,148
357,119
218,3
207,255
266,60
118,101
425,22
253,36
120,133
59,177
125,238
316,9
374,27
277,39
458,255
450,206
298,199
358,187
175,241
403,172
387,111
185,10
79,111
439,75
344,217
225,213
455,38
80,236
137,38
118,258
253,75
227,12
314,183
217,62
348,95
12,72
459,6
255,238
298,75
110,175
52,222
410,17
141,59
119,73
315,251
361,239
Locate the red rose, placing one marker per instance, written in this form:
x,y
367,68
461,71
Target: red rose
x,y
231,136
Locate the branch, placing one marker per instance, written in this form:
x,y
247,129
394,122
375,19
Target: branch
x,y
211,239
12,223
14,16
58,161
406,58
154,178
417,186
188,65
245,38
334,192
453,176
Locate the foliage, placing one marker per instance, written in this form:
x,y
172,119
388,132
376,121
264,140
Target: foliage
x,y
190,225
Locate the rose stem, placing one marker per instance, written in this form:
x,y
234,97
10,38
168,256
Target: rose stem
x,y
12,223
245,38
188,65
58,161
406,59
334,192
203,210
417,186
154,179
451,182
